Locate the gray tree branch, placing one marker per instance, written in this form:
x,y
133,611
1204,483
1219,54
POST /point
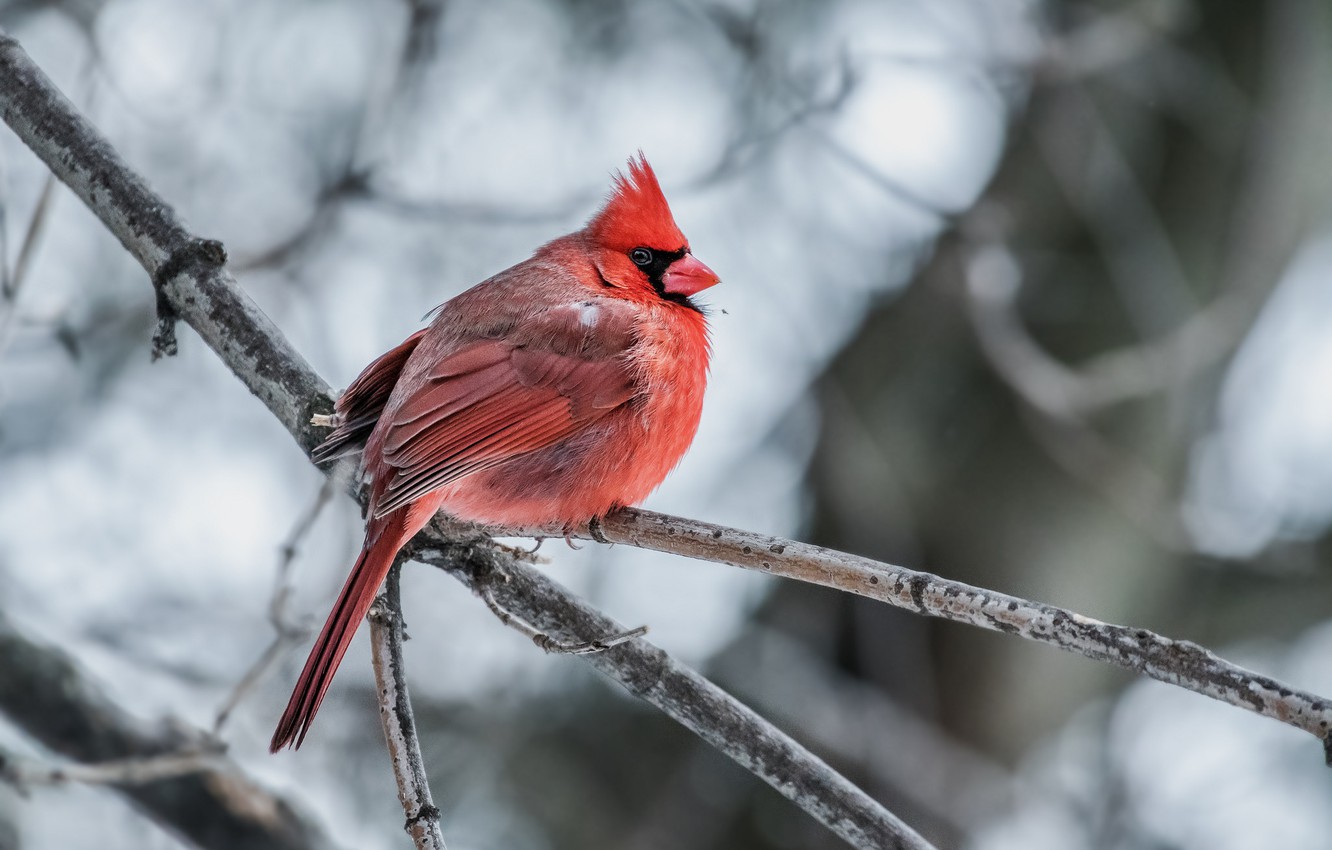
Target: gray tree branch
x,y
681,693
395,712
1176,662
136,770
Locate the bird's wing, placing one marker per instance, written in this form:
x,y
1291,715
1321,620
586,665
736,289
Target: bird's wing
x,y
359,406
491,400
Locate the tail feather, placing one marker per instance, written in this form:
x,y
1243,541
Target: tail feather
x,y
353,603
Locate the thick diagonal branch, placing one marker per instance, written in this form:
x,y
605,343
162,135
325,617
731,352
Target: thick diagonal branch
x,y
681,693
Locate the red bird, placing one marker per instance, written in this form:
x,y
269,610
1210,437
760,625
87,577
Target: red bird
x,y
554,392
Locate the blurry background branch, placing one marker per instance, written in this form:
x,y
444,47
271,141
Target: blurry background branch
x,y
285,632
1099,389
25,772
205,800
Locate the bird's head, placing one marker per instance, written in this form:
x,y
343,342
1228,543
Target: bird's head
x,y
638,247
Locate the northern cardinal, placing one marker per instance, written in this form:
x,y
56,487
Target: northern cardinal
x,y
552,393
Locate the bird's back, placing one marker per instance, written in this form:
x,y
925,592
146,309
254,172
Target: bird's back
x,y
534,399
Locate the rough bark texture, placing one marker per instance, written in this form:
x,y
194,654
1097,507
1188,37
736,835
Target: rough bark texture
x,y
395,712
189,273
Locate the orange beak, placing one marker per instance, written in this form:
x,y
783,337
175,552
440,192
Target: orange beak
x,y
687,275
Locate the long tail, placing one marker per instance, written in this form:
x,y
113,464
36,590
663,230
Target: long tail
x,y
384,537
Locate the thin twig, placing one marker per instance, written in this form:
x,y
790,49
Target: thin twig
x,y
12,282
25,773
395,712
285,632
41,213
547,643
45,693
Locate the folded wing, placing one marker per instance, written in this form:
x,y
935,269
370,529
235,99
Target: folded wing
x,y
494,400
359,406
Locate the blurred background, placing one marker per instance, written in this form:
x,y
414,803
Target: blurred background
x,y
1034,296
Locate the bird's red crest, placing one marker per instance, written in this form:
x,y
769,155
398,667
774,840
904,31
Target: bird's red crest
x,y
636,214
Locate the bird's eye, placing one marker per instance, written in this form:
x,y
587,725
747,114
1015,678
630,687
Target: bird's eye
x,y
641,256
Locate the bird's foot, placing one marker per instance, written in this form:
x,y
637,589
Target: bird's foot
x,y
594,530
569,538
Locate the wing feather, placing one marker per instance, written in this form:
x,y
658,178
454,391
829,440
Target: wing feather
x,y
359,406
496,399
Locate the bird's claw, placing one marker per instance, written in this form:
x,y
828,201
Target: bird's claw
x,y
569,538
594,530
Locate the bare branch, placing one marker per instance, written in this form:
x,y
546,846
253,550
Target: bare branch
x,y
285,632
25,773
45,694
395,712
1176,662
679,692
